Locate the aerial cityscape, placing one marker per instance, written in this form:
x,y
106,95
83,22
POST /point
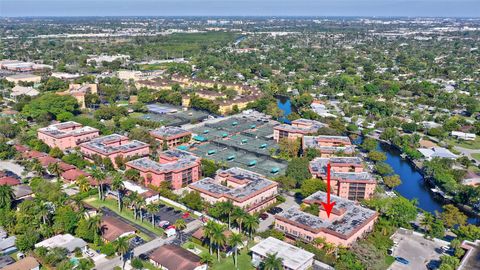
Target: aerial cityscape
x,y
211,135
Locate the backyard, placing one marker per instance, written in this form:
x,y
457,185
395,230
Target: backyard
x,y
126,213
226,263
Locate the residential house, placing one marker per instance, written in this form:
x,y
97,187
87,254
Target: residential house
x,y
172,257
293,258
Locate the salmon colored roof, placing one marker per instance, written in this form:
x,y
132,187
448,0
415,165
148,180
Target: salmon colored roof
x,y
9,181
65,166
47,160
21,148
112,228
33,154
175,257
73,174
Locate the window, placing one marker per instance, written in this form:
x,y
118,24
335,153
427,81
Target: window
x,y
168,177
187,177
282,134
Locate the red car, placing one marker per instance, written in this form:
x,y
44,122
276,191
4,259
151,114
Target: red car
x,y
185,215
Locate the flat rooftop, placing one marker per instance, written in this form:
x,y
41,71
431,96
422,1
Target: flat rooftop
x,y
319,166
354,216
168,131
254,184
101,144
316,142
64,129
181,160
293,257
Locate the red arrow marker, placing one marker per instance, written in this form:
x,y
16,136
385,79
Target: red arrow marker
x,y
328,206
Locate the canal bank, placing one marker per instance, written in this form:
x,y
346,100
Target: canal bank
x,y
414,185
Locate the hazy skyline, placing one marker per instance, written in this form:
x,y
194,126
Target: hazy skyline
x,y
432,8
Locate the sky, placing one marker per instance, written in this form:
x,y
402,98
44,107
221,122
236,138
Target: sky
x,y
386,8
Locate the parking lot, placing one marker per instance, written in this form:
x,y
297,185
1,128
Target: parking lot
x,y
416,249
289,202
170,214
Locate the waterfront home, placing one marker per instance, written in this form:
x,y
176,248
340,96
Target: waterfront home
x,y
348,177
347,222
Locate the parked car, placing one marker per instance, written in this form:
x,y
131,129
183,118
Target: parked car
x,y
275,210
164,223
402,260
263,216
137,241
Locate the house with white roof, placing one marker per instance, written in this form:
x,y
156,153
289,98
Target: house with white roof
x,y
440,152
292,257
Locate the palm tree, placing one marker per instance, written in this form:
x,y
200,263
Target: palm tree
x,y
140,204
152,209
206,258
180,224
37,167
251,224
238,216
117,185
208,234
43,212
272,262
234,241
6,196
95,225
122,246
226,209
99,176
82,183
55,169
218,238
427,221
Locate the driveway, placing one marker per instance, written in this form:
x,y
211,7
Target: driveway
x,y
10,165
289,202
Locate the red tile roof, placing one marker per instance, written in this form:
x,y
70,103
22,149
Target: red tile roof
x,y
47,160
73,174
112,228
9,181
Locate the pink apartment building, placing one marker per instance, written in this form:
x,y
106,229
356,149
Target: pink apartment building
x,y
173,136
348,178
347,223
112,146
297,129
329,145
177,167
245,189
66,135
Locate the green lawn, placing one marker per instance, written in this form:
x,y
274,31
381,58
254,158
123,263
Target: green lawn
x,y
466,144
476,156
244,260
126,213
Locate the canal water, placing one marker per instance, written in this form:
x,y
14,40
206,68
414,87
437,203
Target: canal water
x,y
413,186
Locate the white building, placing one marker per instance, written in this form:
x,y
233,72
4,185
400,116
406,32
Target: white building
x,y
434,152
294,258
463,136
67,241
